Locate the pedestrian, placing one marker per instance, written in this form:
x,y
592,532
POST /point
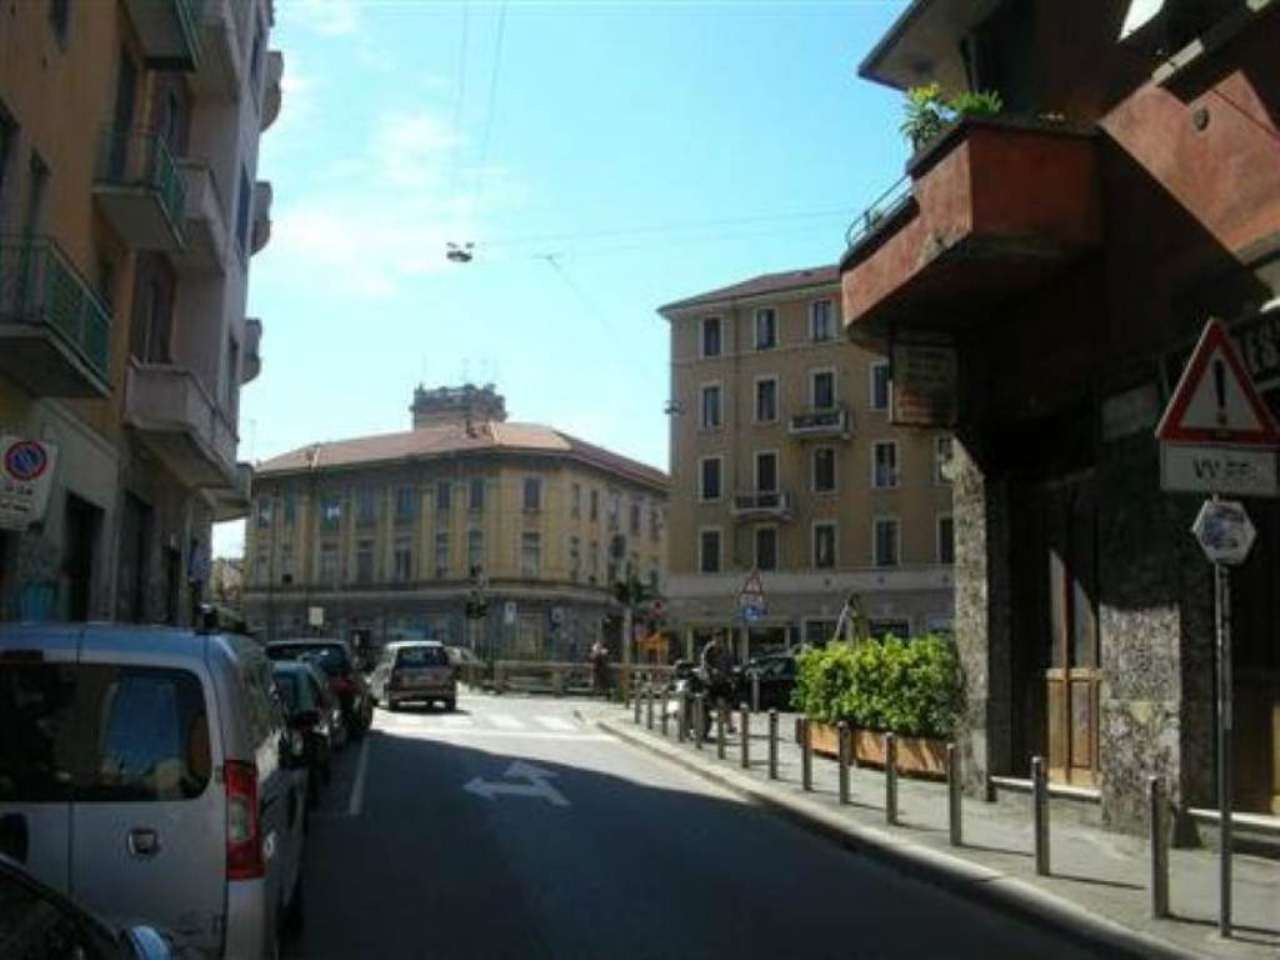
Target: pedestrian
x,y
717,668
599,658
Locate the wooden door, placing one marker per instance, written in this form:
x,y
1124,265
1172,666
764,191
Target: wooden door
x,y
1072,677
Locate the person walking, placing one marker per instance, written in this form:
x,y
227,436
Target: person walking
x,y
717,668
599,657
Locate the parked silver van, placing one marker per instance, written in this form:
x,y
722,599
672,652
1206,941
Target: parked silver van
x,y
148,773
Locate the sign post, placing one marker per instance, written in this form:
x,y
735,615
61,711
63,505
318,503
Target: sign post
x,y
1218,436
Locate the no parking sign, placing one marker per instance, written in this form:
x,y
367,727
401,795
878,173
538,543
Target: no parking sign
x,y
26,478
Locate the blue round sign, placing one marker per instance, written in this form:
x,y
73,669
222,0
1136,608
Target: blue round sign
x,y
26,460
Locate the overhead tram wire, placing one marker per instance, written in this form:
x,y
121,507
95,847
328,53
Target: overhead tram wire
x,y
456,160
491,110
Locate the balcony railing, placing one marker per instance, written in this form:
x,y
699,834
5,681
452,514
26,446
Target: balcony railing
x,y
40,288
168,31
822,422
271,94
758,503
141,188
879,213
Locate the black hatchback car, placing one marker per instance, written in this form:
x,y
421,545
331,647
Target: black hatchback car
x,y
346,682
777,674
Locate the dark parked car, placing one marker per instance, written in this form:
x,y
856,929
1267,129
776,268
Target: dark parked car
x,y
777,674
38,923
346,682
314,713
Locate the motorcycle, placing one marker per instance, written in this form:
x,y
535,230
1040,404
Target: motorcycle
x,y
690,681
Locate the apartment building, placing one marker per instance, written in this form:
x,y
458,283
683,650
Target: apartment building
x,y
783,461
1070,250
129,212
391,537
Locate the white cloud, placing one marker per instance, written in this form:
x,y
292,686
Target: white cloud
x,y
414,148
331,18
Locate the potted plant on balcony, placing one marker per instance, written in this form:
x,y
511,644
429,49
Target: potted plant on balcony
x,y
910,687
928,112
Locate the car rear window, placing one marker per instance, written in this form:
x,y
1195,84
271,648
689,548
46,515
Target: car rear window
x,y
101,733
422,657
287,684
330,657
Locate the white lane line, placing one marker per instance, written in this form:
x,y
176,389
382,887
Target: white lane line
x,y
357,788
442,734
555,723
505,721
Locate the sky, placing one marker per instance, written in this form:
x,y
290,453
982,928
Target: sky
x,y
603,158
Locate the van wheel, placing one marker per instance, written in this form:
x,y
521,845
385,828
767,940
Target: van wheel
x,y
450,706
293,914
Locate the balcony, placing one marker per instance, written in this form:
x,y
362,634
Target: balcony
x,y
168,32
252,356
140,190
261,232
993,207
232,501
180,423
220,73
762,505
271,93
823,423
55,334
204,225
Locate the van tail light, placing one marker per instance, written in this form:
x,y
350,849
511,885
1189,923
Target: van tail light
x,y
244,830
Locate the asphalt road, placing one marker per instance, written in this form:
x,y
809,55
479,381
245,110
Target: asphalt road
x,y
510,830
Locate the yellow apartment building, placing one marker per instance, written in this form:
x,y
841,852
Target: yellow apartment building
x,y
387,537
784,462
129,210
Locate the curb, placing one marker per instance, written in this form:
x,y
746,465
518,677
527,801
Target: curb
x,y
971,880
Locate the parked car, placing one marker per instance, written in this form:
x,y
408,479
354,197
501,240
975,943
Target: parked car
x,y
777,674
39,923
415,671
314,713
346,681
149,774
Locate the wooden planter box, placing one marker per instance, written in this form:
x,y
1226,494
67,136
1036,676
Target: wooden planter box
x,y
921,756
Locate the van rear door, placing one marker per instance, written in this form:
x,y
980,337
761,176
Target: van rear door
x,y
149,816
38,747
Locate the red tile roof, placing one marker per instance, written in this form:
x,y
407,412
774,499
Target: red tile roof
x,y
427,442
762,285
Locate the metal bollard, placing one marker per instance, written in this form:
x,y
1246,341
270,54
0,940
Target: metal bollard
x,y
890,778
720,730
699,720
755,690
773,744
666,710
682,718
1040,814
745,732
648,707
953,795
842,728
635,696
806,755
1159,849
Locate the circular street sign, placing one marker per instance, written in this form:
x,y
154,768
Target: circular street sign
x,y
26,460
1224,530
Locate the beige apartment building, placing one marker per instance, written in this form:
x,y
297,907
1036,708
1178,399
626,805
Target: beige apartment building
x,y
129,211
783,461
389,537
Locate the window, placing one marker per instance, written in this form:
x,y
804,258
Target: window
x,y
575,500
262,567
290,501
879,629
442,555
231,382
152,311
475,551
8,137
766,548
60,19
330,513
530,554
402,560
655,523
364,561
946,539
767,400
886,542
328,563
709,551
615,507
818,633
824,546
884,465
824,470
443,497
595,560
942,451
475,494
821,320
766,472
406,501
635,518
880,385
822,389
266,509
711,336
533,493
595,506
575,558
766,328
711,407
286,563
242,212
366,506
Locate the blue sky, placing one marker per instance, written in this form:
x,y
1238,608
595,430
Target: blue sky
x,y
628,154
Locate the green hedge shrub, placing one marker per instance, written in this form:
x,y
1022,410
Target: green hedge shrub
x,y
911,687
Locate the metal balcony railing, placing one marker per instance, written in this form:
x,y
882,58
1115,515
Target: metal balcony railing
x,y
141,160
771,502
884,206
40,286
821,421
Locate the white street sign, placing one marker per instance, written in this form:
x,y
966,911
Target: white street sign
x,y
1208,469
509,613
315,616
26,478
1224,530
535,785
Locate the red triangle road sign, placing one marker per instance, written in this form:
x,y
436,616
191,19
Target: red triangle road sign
x,y
1215,401
753,587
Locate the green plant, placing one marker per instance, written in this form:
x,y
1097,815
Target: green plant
x,y
928,112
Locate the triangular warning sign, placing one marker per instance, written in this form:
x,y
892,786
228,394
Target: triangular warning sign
x,y
1215,401
753,585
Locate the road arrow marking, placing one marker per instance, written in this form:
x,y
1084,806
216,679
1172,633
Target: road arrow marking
x,y
536,785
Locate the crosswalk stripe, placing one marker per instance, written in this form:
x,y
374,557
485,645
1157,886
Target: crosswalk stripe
x,y
457,722
505,722
555,723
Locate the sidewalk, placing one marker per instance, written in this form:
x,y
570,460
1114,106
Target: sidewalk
x,y
1098,883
